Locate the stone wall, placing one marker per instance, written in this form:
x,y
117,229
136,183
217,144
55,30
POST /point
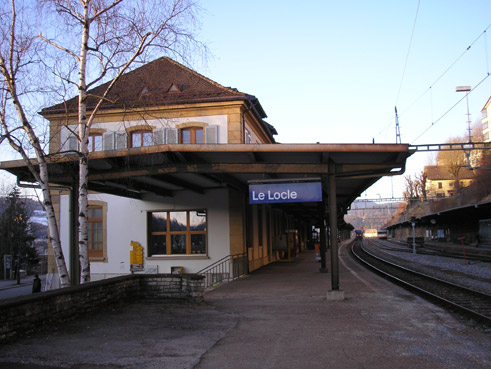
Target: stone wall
x,y
172,286
21,315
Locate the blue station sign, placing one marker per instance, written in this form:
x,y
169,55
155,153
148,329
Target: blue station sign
x,y
285,192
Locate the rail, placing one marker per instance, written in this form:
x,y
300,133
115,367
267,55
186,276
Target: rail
x,y
467,301
225,270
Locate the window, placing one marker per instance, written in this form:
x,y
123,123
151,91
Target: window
x,y
96,220
95,142
177,233
192,135
440,185
141,138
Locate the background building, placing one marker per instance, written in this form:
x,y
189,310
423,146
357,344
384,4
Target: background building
x,y
442,181
485,112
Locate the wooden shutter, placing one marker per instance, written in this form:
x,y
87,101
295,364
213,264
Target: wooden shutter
x,y
71,143
158,136
211,134
172,136
121,140
108,141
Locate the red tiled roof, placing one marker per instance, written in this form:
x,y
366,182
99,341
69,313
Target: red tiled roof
x,y
159,83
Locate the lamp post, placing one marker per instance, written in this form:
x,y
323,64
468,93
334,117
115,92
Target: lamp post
x,y
466,89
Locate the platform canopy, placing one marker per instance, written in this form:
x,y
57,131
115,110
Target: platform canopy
x,y
166,169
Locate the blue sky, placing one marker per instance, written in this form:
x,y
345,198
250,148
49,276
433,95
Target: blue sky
x,y
332,71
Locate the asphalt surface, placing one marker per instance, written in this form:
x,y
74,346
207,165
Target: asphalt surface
x,y
10,288
276,317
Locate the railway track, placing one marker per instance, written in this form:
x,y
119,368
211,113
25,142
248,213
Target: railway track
x,y
422,250
466,301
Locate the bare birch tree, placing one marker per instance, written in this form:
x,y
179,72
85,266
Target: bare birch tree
x,y
420,182
112,35
410,189
85,43
17,60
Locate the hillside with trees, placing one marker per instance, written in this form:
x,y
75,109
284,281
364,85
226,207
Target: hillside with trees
x,y
469,172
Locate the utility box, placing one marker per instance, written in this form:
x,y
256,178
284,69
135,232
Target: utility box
x,y
136,257
176,270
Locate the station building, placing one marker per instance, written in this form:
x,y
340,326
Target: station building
x,y
174,156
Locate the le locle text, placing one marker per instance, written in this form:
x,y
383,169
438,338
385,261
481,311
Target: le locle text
x,y
274,195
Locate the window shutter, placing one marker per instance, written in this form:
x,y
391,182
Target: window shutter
x,y
108,141
71,144
172,135
247,137
211,134
121,140
158,137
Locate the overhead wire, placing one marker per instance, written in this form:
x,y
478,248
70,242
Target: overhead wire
x,y
429,89
405,65
408,51
486,49
483,33
451,108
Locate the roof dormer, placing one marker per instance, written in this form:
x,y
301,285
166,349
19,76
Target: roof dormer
x,y
174,88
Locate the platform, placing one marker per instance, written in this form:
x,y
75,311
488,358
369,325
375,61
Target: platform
x,y
276,317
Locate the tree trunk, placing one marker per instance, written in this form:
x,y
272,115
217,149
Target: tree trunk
x,y
41,174
83,132
53,230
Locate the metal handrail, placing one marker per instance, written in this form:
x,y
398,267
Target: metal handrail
x,y
225,270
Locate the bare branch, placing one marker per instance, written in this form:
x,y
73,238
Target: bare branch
x,y
105,10
59,47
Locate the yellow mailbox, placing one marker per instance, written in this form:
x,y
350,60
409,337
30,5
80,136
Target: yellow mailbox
x,y
136,256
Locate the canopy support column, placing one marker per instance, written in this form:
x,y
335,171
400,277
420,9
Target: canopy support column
x,y
335,293
322,237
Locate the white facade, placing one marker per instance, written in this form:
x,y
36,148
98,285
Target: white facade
x,y
163,126
127,221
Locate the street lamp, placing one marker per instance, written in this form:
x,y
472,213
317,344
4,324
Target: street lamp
x,y
466,89
413,224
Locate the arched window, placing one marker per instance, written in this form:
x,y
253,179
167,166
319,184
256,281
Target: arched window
x,y
95,142
141,138
191,135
